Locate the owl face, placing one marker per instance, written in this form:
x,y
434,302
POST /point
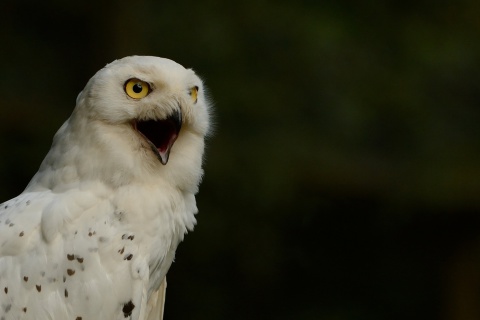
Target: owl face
x,y
156,98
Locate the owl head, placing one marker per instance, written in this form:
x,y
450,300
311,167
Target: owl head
x,y
157,98
140,119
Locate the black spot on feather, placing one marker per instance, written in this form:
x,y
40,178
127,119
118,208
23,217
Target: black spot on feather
x,y
128,308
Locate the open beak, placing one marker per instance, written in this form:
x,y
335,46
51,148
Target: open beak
x,y
160,134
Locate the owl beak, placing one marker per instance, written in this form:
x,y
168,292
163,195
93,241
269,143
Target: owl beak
x,y
161,134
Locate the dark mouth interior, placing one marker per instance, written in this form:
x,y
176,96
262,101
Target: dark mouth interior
x,y
159,132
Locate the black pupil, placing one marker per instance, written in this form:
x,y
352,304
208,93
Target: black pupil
x,y
137,87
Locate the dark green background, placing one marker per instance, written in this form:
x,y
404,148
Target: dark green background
x,y
343,177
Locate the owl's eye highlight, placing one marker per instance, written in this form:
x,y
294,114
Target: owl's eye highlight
x,y
194,94
136,89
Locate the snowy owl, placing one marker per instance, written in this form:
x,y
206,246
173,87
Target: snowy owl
x,y
95,231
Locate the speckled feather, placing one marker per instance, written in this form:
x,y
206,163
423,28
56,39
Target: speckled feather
x,y
95,231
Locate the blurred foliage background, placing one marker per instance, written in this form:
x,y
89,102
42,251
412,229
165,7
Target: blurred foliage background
x,y
342,181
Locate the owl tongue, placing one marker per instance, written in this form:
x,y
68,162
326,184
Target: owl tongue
x,y
161,134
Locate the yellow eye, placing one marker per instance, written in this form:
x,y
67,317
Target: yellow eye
x,y
194,94
136,89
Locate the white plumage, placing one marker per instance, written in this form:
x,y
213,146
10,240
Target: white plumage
x,y
95,231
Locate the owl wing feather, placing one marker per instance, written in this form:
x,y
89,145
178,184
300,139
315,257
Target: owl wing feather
x,y
86,267
156,304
